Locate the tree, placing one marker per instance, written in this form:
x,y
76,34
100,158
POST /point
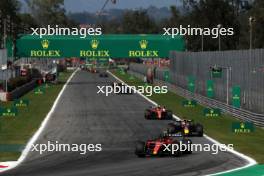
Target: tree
x,y
175,20
9,10
257,13
48,12
26,22
208,14
138,22
9,7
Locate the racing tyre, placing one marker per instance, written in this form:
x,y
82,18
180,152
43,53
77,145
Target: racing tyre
x,y
147,114
140,149
170,129
177,153
169,115
188,143
177,126
199,130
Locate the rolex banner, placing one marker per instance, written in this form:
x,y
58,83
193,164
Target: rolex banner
x,y
212,112
104,46
236,96
210,89
8,111
21,103
243,127
189,103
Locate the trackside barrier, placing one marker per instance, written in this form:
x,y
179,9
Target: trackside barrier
x,y
18,92
241,114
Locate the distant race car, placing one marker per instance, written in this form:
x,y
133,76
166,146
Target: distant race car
x,y
158,113
156,147
103,75
50,77
123,88
185,127
93,70
82,67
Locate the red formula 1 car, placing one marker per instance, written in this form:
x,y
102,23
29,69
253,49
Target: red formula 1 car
x,y
158,113
162,146
92,70
185,127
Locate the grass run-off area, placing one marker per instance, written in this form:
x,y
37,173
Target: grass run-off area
x,y
219,128
16,131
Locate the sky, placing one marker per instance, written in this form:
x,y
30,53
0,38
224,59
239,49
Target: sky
x,y
96,5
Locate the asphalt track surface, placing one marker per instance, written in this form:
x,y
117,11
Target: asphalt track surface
x,y
85,117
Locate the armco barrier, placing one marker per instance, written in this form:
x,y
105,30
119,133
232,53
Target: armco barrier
x,y
18,92
245,68
241,114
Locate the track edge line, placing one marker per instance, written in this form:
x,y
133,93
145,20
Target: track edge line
x,y
250,160
13,164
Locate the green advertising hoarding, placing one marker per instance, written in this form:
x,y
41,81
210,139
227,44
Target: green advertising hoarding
x,y
101,62
243,127
166,75
39,90
216,72
121,71
191,83
103,46
21,103
212,112
236,96
98,60
189,103
8,111
9,46
210,88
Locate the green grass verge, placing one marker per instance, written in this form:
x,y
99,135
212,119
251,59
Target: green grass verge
x,y
220,128
19,129
256,170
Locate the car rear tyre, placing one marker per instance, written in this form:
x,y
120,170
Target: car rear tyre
x,y
169,115
147,114
140,149
171,129
188,143
199,130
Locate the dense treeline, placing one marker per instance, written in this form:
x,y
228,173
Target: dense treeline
x,y
203,13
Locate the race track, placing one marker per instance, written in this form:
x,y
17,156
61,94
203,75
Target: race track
x,y
117,122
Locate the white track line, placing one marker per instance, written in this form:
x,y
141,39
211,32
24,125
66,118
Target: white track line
x,y
250,161
13,164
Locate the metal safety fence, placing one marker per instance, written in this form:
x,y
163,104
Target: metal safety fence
x,y
246,71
